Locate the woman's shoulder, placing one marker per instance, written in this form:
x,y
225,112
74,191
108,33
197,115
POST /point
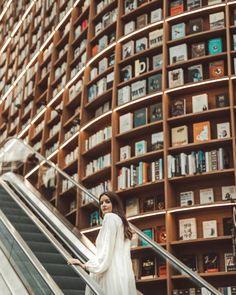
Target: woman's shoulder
x,y
112,216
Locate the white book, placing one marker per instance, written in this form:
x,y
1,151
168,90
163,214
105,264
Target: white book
x,y
129,27
186,198
211,2
125,152
138,89
157,61
102,65
228,192
223,130
155,38
216,20
123,95
126,122
176,77
187,229
209,229
156,15
206,196
199,103
93,73
128,49
178,53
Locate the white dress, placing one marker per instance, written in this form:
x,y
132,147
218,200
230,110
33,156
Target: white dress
x,y
112,266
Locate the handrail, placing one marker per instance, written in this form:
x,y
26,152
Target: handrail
x,y
155,246
88,280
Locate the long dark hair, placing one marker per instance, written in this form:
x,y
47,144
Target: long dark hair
x,y
117,208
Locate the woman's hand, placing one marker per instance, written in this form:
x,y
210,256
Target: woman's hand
x,y
74,261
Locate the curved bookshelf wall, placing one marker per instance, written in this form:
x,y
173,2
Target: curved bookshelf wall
x,y
135,96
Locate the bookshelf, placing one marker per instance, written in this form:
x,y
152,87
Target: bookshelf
x,y
134,96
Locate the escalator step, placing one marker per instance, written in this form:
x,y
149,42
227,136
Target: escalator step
x,y
42,247
33,237
13,212
75,283
47,257
27,228
20,220
73,292
7,204
60,270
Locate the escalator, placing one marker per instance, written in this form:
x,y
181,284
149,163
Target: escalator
x,y
18,196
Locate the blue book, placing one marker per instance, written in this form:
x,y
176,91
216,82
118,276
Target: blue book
x,y
177,31
148,232
215,46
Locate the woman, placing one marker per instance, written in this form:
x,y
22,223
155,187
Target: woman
x,y
112,266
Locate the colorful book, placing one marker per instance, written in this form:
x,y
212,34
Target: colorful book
x,y
201,132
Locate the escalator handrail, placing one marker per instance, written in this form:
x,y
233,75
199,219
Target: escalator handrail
x,y
154,245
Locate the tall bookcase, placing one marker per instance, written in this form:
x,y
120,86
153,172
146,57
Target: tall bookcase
x,y
105,90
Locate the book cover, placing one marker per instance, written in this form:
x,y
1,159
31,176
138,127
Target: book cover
x,y
222,100
156,15
195,73
176,7
209,229
178,53
195,25
176,77
230,262
148,266
141,66
123,95
217,20
140,117
155,38
178,107
186,198
135,265
140,147
138,89
161,267
141,44
94,218
193,4
211,2
216,69
157,141
199,103
148,232
154,83
223,130
215,46
234,42
179,135
198,49
149,204
155,112
210,262
134,241
161,234
130,5
141,21
126,73
132,206
126,122
157,61
227,226
178,31
201,132
125,152
228,192
128,49
190,260
206,195
187,229
129,27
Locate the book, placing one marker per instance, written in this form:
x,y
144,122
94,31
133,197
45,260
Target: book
x,y
176,77
155,112
129,5
193,4
178,107
157,141
126,73
135,265
126,122
186,198
190,260
161,234
217,20
148,232
138,89
155,38
198,49
149,204
209,229
157,62
129,27
179,135
195,73
123,95
223,130
141,21
141,66
141,44
199,103
140,117
134,241
148,266
178,31
94,218
206,195
154,83
187,229
132,206
216,69
227,226
215,46
195,25
222,100
140,147
210,262
211,2
228,192
176,7
178,53
201,132
156,15
128,49
161,267
125,152
230,262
